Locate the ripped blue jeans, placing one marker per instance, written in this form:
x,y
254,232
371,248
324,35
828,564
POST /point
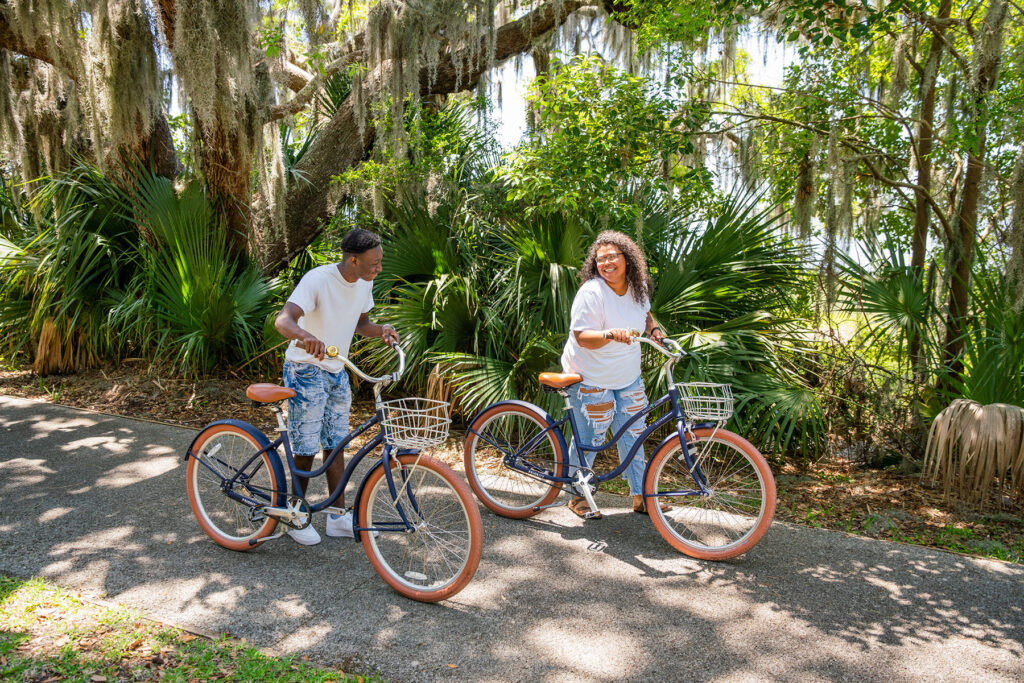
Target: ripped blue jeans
x,y
597,410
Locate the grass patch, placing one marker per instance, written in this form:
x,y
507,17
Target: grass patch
x,y
48,633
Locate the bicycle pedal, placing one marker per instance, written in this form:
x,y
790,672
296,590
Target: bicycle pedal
x,y
261,539
592,514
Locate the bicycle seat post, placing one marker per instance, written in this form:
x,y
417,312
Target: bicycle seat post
x,y
279,414
564,393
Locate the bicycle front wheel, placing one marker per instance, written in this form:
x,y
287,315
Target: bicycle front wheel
x,y
503,430
220,453
439,556
736,511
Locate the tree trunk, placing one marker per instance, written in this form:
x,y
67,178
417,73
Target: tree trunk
x,y
1015,268
919,241
225,154
226,164
925,143
341,146
988,52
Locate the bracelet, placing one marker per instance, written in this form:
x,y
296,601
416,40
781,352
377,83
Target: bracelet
x,y
653,329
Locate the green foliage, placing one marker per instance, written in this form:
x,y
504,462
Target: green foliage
x,y
105,264
658,22
892,297
292,153
60,264
190,302
483,307
336,89
604,141
441,147
994,353
723,286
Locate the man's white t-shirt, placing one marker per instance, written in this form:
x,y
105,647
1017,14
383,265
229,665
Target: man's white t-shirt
x,y
598,307
331,306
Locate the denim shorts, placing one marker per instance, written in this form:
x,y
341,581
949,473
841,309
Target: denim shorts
x,y
598,410
318,415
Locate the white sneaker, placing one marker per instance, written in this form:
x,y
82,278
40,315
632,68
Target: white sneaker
x,y
341,526
307,536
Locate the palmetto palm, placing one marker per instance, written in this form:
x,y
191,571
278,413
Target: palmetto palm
x,y
994,352
723,287
58,267
490,303
192,302
892,298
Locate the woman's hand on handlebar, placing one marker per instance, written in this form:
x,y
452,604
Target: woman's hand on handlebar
x,y
620,334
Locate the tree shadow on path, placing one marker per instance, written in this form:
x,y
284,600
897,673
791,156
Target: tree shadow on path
x,y
98,503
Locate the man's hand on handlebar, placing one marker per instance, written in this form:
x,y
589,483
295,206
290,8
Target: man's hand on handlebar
x,y
389,335
313,346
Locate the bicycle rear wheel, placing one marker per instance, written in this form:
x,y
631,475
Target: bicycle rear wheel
x,y
220,452
497,432
737,512
440,556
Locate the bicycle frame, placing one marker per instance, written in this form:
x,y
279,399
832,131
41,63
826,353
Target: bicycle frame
x,y
385,462
515,460
387,456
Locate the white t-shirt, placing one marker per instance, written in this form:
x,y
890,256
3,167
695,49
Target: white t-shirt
x,y
598,307
331,306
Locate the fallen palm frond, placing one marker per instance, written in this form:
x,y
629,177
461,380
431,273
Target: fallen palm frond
x,y
972,448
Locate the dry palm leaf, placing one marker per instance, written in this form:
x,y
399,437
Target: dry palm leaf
x,y
972,448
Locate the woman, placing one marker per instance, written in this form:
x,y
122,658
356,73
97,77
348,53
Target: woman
x,y
613,300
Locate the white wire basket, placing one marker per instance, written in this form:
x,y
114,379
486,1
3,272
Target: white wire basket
x,y
415,422
706,401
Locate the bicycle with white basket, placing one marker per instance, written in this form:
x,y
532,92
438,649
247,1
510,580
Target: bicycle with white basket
x,y
719,489
416,519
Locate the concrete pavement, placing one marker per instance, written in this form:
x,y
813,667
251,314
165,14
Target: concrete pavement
x,y
98,503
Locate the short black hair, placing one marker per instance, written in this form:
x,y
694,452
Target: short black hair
x,y
358,241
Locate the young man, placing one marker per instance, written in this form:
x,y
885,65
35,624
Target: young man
x,y
328,305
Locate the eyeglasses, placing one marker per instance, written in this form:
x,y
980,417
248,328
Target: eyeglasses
x,y
608,258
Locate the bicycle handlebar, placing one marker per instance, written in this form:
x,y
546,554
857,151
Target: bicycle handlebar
x,y
332,352
675,353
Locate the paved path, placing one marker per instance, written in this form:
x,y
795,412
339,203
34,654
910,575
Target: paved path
x,y
98,503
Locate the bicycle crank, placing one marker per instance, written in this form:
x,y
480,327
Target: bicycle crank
x,y
583,485
295,514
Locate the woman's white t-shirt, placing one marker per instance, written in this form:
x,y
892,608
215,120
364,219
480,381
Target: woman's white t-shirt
x,y
598,307
331,306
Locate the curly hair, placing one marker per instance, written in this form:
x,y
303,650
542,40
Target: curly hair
x,y
636,265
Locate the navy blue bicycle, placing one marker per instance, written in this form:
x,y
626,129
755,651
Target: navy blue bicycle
x,y
718,488
417,520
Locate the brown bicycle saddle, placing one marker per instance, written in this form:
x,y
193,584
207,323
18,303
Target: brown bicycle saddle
x,y
268,393
559,380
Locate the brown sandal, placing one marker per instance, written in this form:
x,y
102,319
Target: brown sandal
x,y
640,507
579,507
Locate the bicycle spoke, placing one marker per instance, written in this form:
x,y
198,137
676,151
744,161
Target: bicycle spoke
x,y
229,518
436,552
509,432
732,508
